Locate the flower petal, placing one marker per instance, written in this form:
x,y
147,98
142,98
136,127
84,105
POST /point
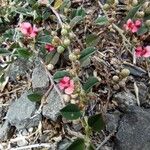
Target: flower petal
x,y
69,90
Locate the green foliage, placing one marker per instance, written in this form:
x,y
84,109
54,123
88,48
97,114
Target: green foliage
x,y
133,11
96,122
101,20
86,53
71,112
60,74
24,53
90,83
78,144
143,29
35,97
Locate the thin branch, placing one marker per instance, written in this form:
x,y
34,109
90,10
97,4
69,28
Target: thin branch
x,y
46,145
57,15
105,140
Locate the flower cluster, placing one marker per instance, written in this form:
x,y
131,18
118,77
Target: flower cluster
x,y
67,85
142,51
28,30
132,26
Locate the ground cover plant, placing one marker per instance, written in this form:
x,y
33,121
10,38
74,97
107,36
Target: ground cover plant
x,y
70,58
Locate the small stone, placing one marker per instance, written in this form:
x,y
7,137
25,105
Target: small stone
x,y
20,112
22,142
40,80
53,106
134,130
112,120
125,99
4,130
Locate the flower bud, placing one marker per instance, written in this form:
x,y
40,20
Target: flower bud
x,y
56,39
115,78
60,49
74,96
64,32
72,101
50,66
147,23
147,11
53,33
122,84
106,7
134,2
72,35
77,51
140,14
145,5
116,87
125,72
66,98
66,42
72,57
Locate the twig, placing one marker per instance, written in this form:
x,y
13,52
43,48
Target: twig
x,y
47,145
57,15
105,140
136,93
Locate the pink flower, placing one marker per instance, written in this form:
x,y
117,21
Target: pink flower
x,y
142,51
28,30
49,47
67,85
132,26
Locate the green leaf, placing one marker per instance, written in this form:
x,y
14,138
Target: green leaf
x,y
75,20
80,12
101,20
55,58
58,3
96,122
142,30
9,34
86,53
44,39
91,40
71,112
35,97
91,147
78,144
3,51
2,78
133,11
90,83
24,11
23,52
50,1
60,74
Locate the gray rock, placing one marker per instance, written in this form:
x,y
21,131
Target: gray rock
x,y
19,67
143,93
40,80
134,130
112,120
20,112
125,99
4,130
63,144
53,106
134,70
